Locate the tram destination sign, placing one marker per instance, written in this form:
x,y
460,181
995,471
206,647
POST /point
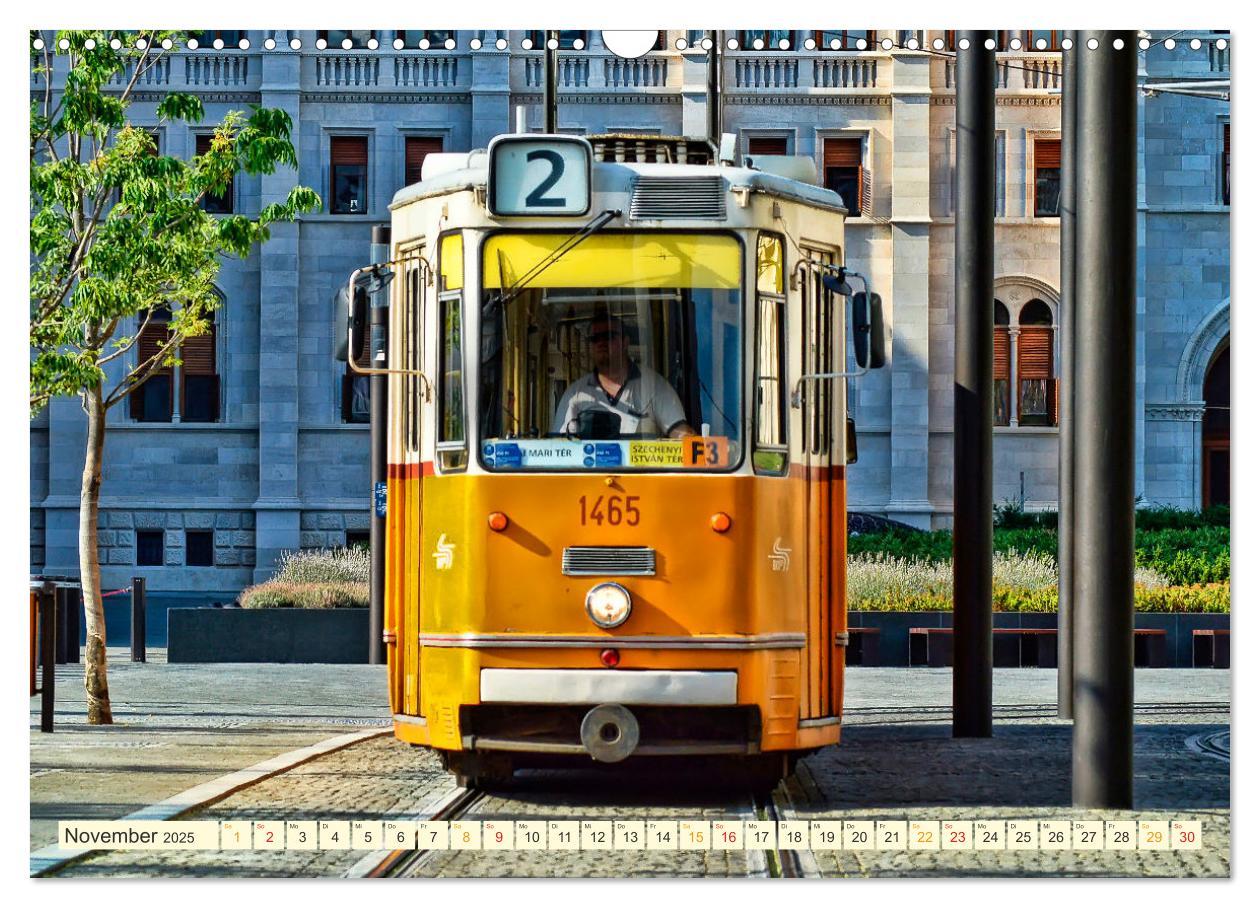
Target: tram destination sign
x,y
534,175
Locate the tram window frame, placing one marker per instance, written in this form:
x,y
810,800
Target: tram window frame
x,y
413,284
766,451
818,306
744,446
452,452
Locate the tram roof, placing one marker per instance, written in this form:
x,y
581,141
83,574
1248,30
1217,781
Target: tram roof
x,y
621,178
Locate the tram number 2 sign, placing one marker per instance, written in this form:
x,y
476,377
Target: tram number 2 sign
x,y
545,176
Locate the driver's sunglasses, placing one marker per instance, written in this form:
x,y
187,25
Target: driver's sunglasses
x,y
598,336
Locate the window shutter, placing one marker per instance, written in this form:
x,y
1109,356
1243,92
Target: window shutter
x,y
1001,354
864,191
418,148
349,149
842,152
1046,154
767,145
151,341
198,354
1036,353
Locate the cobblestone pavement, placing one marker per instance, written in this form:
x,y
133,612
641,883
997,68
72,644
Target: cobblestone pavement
x,y
176,726
897,761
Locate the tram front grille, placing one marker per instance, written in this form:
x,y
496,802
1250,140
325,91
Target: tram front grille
x,y
609,561
678,197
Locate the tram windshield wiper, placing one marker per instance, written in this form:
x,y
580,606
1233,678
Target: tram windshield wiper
x,y
598,223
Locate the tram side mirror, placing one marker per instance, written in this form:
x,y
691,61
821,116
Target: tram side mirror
x,y
868,331
351,318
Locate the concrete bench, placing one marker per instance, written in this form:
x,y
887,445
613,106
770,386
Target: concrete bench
x,y
1210,648
863,648
934,647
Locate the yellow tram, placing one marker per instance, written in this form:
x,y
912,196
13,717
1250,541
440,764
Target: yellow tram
x,y
616,453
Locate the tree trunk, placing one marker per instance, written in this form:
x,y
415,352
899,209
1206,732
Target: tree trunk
x,y
94,679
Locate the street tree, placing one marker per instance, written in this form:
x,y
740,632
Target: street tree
x,y
120,240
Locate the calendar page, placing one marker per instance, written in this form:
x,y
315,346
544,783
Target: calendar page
x,y
485,452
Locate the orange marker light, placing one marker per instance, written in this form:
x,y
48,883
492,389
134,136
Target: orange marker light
x,y
498,521
720,522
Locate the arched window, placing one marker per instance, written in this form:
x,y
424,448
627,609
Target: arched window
x,y
198,375
1216,429
1001,364
1038,389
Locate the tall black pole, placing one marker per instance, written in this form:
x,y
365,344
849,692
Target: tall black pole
x,y
551,60
379,404
139,602
1067,373
1106,329
973,391
714,89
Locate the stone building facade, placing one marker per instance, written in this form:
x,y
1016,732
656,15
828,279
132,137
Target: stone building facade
x,y
284,466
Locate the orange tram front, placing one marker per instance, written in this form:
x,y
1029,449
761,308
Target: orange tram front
x,y
617,445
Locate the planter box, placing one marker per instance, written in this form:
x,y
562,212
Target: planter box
x,y
894,629
267,635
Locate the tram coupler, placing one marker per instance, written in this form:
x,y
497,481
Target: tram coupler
x,y
610,733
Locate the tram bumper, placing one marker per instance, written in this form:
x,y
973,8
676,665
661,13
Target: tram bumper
x,y
578,686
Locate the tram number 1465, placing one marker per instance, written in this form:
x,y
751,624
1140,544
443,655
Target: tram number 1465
x,y
613,509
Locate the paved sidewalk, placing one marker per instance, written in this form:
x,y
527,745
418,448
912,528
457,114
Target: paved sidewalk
x,y
176,726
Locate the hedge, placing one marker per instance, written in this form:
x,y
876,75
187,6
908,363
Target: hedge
x,y
1211,597
1183,556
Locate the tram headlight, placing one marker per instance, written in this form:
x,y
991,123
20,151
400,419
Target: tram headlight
x,y
608,604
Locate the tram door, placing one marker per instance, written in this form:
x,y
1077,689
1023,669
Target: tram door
x,y
411,412
821,354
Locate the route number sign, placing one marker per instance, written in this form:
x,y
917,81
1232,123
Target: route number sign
x,y
547,176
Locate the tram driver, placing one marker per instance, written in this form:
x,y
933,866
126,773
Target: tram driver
x,y
619,397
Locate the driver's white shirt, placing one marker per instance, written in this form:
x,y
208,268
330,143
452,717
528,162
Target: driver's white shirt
x,y
646,403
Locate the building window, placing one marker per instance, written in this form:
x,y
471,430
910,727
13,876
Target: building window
x,y
1038,389
151,402
348,174
1046,168
862,39
1043,40
199,377
215,204
1225,167
425,40
844,174
767,144
150,548
417,149
337,39
1001,364
767,39
199,548
356,389
358,539
771,452
568,39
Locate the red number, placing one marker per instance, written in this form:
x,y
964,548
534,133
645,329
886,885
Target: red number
x,y
632,512
614,510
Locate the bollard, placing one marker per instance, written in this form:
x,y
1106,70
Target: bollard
x,y
34,639
48,654
61,598
74,608
137,619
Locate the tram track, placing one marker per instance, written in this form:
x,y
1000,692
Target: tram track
x,y
459,802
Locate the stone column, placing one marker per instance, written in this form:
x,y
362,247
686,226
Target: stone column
x,y
491,112
278,522
911,168
1012,389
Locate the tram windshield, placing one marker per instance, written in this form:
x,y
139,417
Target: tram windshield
x,y
622,352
